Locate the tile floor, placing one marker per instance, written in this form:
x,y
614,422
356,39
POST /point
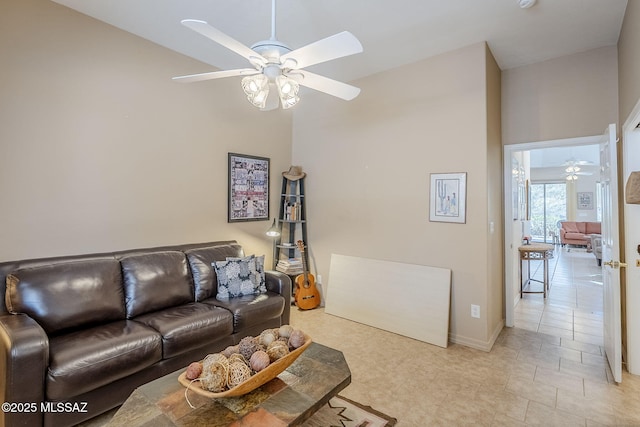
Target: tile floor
x,y
549,370
573,308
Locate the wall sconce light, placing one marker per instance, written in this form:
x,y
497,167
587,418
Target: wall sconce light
x,y
632,189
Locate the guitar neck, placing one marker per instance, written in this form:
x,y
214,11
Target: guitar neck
x,y
305,269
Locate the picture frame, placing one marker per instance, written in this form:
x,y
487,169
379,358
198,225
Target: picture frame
x,y
248,188
515,178
585,200
527,195
448,196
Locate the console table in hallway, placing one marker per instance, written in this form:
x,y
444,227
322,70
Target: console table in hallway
x,y
535,252
319,374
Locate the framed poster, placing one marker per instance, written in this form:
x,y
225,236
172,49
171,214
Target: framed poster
x,y
248,188
448,197
585,201
515,179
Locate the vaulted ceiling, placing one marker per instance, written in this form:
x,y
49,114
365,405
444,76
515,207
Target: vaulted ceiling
x,y
393,32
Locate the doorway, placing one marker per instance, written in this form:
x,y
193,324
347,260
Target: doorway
x,y
515,225
563,186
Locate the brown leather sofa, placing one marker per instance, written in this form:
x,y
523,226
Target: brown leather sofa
x,y
79,333
578,232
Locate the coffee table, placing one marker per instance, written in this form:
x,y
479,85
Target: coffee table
x,y
319,374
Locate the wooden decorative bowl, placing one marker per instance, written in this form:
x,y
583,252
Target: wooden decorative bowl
x,y
252,383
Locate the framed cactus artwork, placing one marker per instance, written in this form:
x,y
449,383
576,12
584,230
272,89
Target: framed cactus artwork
x,y
448,196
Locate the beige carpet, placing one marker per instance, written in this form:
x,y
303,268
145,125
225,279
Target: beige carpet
x,y
342,412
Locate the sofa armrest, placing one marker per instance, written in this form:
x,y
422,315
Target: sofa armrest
x,y
24,358
562,236
280,283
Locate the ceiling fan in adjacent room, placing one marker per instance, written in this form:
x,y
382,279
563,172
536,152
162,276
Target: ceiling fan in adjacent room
x,y
278,68
573,169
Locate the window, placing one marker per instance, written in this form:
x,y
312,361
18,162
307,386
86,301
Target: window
x,y
548,207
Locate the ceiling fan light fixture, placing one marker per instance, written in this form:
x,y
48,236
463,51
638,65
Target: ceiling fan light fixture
x,y
288,91
257,89
572,169
526,4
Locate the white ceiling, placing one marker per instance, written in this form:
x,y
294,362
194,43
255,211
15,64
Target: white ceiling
x,y
560,156
393,32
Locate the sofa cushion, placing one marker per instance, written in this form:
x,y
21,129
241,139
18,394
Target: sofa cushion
x,y
252,310
187,326
593,228
85,360
68,295
204,275
575,236
570,227
155,281
238,277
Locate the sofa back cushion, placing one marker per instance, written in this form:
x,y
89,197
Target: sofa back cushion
x,y
204,275
570,227
67,295
154,281
593,228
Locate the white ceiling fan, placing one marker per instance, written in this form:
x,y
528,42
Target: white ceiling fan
x,y
276,67
573,169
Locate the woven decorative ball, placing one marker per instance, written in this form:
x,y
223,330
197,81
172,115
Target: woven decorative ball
x,y
277,349
237,357
215,373
267,337
296,339
194,370
215,357
230,350
248,346
285,331
238,373
259,360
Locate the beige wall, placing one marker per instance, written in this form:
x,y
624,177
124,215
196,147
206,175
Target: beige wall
x,y
629,57
369,163
101,150
568,97
495,235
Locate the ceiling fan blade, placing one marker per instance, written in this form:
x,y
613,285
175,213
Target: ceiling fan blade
x,y
333,47
202,27
215,75
326,85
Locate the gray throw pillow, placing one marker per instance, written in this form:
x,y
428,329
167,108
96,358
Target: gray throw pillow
x,y
240,276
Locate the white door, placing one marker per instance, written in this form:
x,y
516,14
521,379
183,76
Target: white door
x,y
611,252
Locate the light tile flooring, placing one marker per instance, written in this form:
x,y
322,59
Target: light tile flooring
x,y
573,308
550,370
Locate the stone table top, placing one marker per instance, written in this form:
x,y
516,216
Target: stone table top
x,y
319,374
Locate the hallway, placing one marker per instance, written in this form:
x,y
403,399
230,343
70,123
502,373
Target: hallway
x,y
573,308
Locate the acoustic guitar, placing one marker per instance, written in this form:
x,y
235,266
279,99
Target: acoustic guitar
x,y
307,296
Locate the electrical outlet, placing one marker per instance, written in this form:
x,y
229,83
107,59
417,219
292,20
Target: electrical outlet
x,y
475,311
